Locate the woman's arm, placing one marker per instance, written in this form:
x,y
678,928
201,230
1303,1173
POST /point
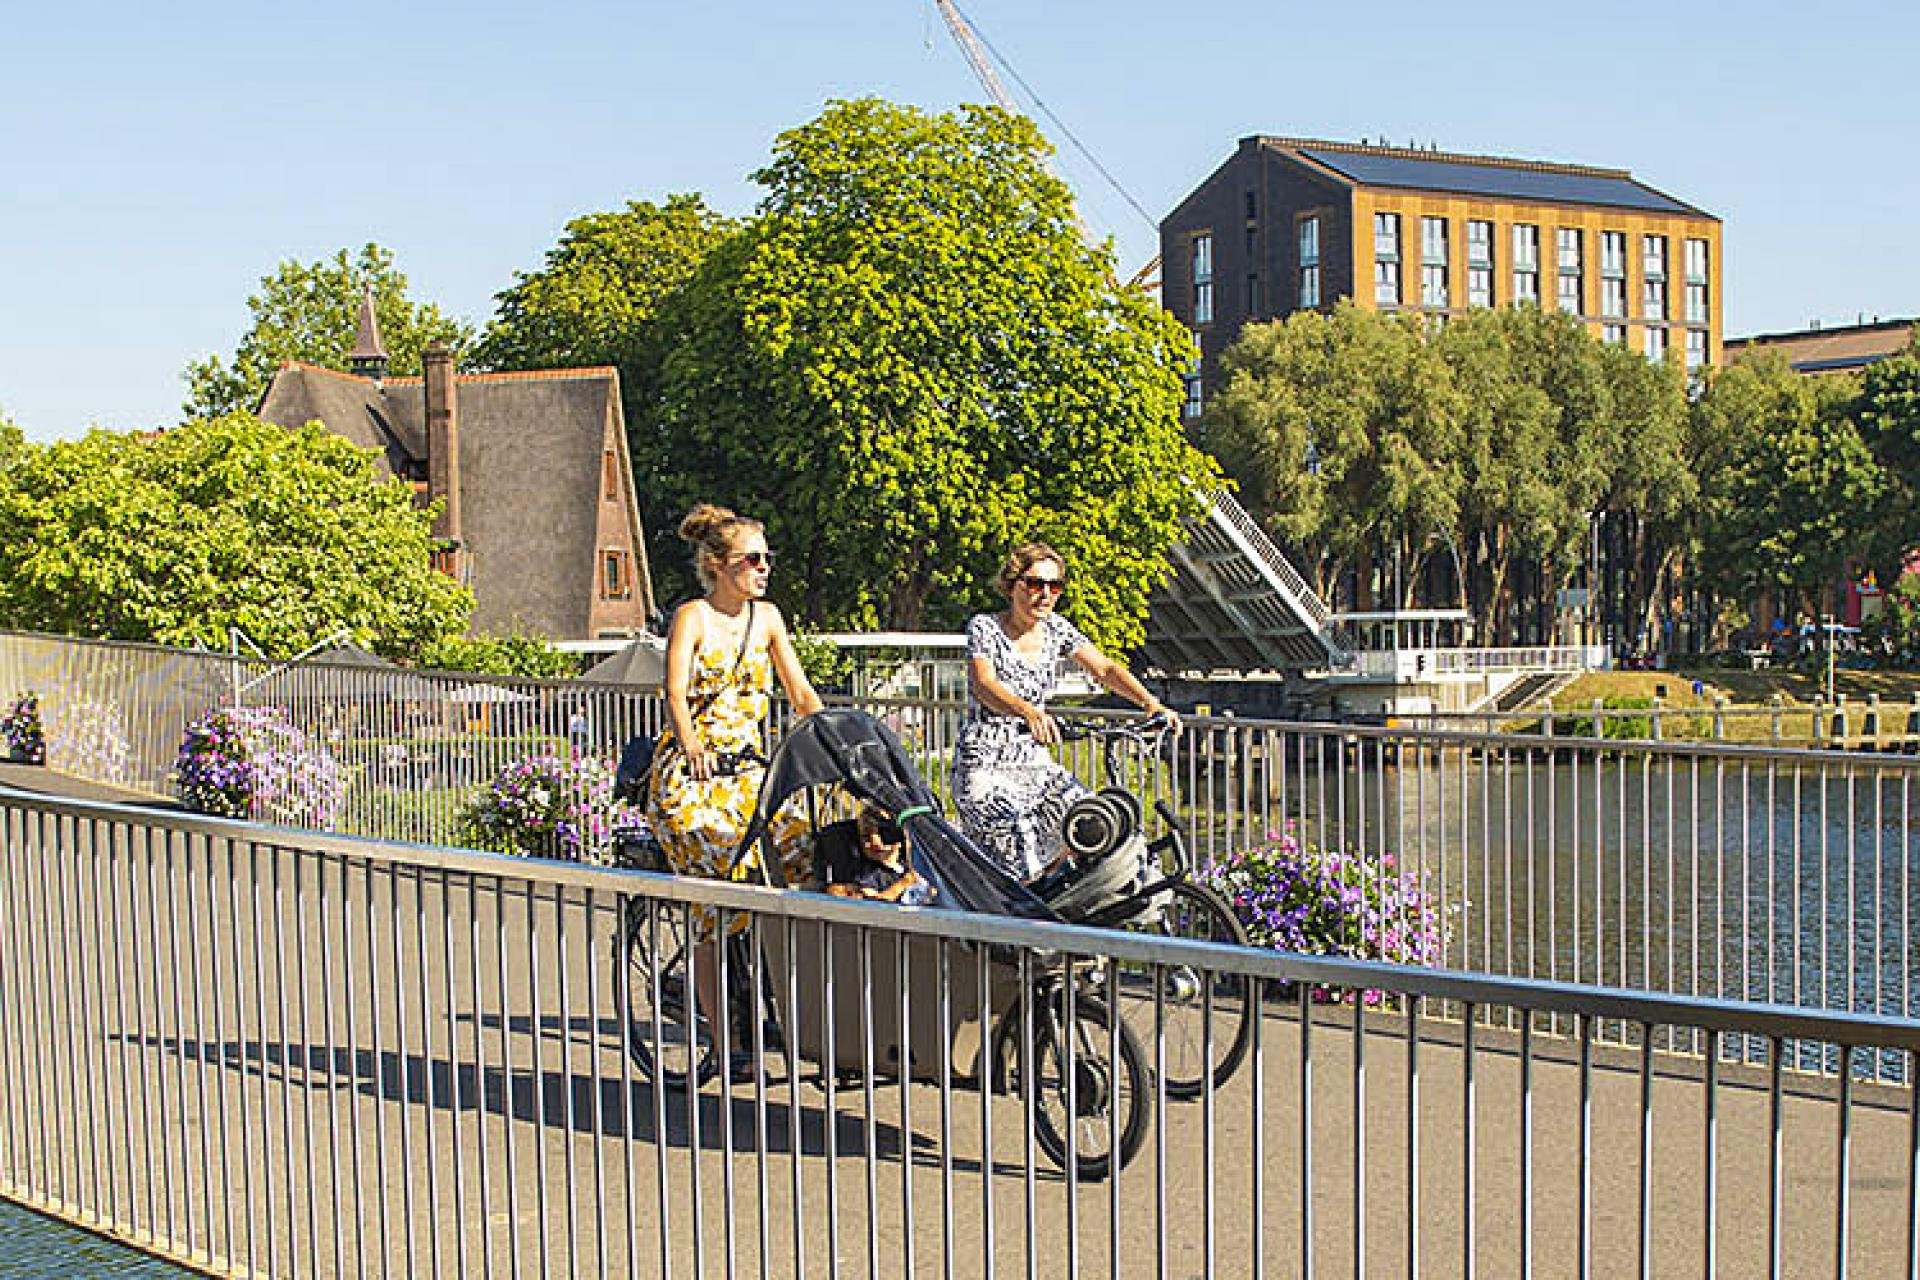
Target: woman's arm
x,y
994,696
683,641
786,662
1115,678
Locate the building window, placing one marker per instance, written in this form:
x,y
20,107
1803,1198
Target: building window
x,y
1309,262
1253,297
1613,297
1653,277
1386,259
1696,349
610,475
1613,253
1615,334
1526,264
1696,282
1253,207
1479,264
1613,274
1433,262
1203,278
1567,242
1656,344
1195,396
616,581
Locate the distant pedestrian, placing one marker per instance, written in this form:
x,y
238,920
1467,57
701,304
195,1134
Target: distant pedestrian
x,y
577,731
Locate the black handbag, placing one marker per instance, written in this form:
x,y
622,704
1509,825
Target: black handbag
x,y
636,758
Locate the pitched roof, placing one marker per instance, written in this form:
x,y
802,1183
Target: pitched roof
x,y
1835,350
526,439
1361,164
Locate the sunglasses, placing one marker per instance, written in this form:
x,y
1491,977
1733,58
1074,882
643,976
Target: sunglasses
x,y
758,559
1036,584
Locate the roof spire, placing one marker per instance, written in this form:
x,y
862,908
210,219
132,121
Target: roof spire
x,y
369,356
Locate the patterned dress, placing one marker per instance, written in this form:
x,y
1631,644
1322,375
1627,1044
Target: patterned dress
x,y
1010,794
699,824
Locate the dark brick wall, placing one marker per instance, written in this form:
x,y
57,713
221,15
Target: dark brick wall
x,y
1265,247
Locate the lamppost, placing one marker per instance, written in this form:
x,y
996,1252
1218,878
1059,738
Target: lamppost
x,y
1826,635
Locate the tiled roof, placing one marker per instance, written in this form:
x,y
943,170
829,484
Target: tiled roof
x,y
1831,350
530,472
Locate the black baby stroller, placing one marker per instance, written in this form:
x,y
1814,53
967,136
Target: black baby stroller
x,y
1087,1076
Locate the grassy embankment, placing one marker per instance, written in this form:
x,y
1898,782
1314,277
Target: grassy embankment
x,y
1749,697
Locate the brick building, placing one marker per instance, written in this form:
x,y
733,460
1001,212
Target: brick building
x,y
1290,224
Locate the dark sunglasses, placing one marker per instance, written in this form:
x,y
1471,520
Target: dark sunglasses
x,y
1032,583
758,559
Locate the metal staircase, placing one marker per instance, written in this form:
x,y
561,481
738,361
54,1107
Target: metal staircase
x,y
1236,603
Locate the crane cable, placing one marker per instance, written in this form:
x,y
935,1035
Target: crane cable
x,y
1061,125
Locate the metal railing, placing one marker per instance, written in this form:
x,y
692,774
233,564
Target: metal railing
x,y
273,1053
1697,868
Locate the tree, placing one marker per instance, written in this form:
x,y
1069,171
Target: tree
x,y
1792,491
909,361
595,299
1345,429
1889,419
309,311
226,522
510,655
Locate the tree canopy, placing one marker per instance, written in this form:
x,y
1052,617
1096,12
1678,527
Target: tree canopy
x,y
226,522
309,311
910,360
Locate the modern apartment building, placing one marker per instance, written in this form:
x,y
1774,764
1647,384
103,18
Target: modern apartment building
x,y
1291,224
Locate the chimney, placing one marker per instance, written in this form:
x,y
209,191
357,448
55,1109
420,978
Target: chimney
x,y
443,441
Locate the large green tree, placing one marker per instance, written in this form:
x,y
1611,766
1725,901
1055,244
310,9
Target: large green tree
x,y
1346,430
228,522
594,300
910,360
309,311
1793,493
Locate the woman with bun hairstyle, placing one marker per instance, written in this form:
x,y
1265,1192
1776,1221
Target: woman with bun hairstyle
x,y
1009,792
723,651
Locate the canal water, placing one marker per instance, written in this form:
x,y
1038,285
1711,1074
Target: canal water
x,y
32,1247
1743,879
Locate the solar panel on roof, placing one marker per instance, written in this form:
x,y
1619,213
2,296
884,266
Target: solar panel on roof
x,y
1467,178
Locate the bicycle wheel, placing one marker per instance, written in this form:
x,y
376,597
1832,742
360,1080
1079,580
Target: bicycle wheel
x,y
657,979
1101,1087
1197,912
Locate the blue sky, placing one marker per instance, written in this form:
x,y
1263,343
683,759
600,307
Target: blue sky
x,y
158,160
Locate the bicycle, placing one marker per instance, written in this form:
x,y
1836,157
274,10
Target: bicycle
x,y
1191,1002
1082,1093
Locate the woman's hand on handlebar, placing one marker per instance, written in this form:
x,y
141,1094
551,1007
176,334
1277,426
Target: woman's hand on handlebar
x,y
1164,718
1043,727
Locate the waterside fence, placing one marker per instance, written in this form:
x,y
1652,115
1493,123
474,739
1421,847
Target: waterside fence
x,y
1675,987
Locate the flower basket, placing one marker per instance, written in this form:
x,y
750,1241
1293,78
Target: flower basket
x,y
21,731
548,806
1331,903
251,762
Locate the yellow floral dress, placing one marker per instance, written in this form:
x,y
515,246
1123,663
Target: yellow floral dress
x,y
699,824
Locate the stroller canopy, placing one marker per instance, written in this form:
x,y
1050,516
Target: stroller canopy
x,y
849,748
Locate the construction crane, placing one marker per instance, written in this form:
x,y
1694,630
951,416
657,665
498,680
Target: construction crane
x,y
975,51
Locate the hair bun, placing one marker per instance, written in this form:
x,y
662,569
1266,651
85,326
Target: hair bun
x,y
702,521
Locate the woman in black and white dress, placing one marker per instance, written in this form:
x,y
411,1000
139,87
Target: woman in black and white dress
x,y
1010,793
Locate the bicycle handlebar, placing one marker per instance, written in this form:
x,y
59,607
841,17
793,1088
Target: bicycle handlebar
x,y
1077,730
